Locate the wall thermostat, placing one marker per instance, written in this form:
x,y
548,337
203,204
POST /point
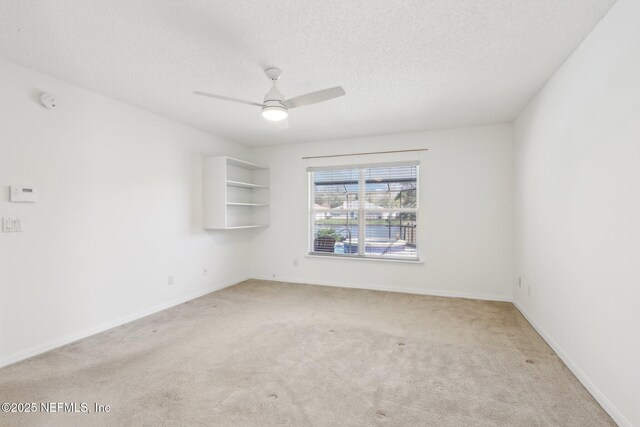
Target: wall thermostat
x,y
47,100
23,194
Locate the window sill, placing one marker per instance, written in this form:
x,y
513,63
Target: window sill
x,y
329,255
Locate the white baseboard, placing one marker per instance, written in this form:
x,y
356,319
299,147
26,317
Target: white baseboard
x,y
59,342
414,291
582,377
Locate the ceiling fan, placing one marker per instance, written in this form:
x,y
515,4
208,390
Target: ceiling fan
x,y
274,107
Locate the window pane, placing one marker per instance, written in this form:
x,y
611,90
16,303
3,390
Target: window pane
x,y
381,223
390,234
391,187
335,232
335,189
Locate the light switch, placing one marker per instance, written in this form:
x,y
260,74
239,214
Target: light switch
x,y
7,225
11,224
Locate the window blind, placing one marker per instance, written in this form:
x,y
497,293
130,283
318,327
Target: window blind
x,y
364,211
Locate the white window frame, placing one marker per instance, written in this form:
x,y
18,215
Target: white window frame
x,y
362,213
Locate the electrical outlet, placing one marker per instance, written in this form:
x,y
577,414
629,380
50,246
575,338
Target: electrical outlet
x,y
170,280
204,271
519,282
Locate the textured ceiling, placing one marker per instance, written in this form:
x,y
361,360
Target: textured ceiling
x,y
405,65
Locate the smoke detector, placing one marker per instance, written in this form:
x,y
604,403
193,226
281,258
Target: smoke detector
x,y
47,100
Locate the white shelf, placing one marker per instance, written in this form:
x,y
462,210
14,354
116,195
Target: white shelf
x,y
236,194
244,164
244,184
245,204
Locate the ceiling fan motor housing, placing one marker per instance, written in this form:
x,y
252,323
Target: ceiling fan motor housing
x,y
274,95
274,98
274,110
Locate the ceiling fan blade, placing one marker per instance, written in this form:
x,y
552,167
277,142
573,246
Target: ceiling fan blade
x,y
226,98
314,97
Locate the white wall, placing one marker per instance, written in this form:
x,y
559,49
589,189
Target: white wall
x,y
119,211
577,163
466,200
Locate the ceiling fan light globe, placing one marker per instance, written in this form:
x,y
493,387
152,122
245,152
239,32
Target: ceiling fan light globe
x,y
274,113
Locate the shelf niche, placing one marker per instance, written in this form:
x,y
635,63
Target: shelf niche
x,y
236,194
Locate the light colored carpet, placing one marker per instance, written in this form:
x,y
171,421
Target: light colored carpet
x,y
267,353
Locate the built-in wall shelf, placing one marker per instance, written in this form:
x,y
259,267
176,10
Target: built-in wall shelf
x,y
236,194
244,184
245,204
243,164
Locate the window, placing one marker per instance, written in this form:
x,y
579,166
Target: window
x,y
364,211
